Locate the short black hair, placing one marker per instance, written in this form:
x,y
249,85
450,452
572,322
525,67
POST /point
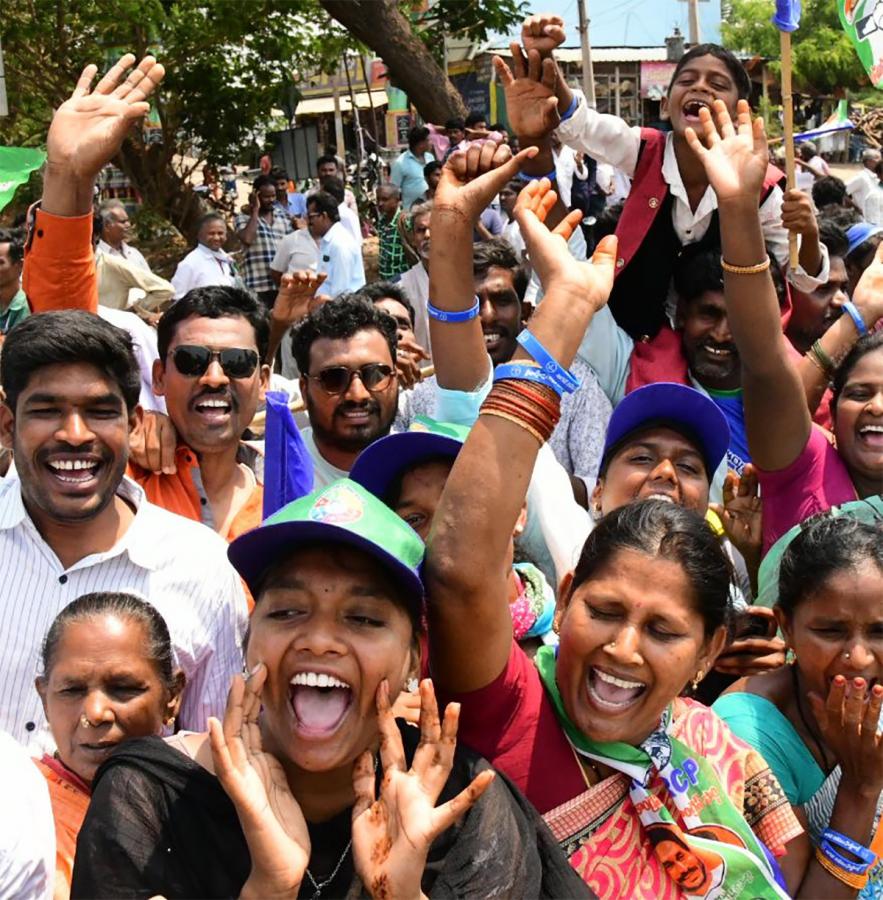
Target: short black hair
x,y
825,545
278,172
668,531
417,135
209,217
381,290
697,270
608,221
735,68
475,117
340,319
455,122
15,237
431,167
263,181
500,253
325,203
333,185
834,238
67,337
326,158
215,302
828,190
844,217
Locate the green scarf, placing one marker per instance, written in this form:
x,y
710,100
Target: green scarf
x,y
711,851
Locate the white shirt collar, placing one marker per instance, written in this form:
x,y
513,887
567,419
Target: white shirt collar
x,y
214,254
672,176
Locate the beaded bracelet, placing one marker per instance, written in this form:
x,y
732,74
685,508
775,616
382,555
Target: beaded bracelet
x,y
525,372
574,103
856,317
444,315
566,380
854,881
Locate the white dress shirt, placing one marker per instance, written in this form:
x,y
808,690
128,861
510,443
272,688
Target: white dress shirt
x,y
127,251
350,221
203,267
177,565
609,139
27,830
861,186
415,284
340,258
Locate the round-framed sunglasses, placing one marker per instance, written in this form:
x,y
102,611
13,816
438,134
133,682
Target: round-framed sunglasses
x,y
337,379
236,362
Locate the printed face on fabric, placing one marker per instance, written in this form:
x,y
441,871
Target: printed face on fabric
x,y
658,463
353,419
631,638
330,624
101,690
70,438
210,411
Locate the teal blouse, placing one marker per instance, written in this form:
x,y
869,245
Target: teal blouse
x,y
760,724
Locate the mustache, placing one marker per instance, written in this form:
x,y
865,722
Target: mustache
x,y
370,406
714,345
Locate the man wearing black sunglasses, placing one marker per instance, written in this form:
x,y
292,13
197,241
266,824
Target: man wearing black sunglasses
x,y
211,343
346,352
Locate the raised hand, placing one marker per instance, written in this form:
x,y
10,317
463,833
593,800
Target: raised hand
x,y
735,158
848,721
471,178
741,513
408,357
271,820
531,101
549,254
543,33
798,214
753,652
297,291
88,129
868,293
392,834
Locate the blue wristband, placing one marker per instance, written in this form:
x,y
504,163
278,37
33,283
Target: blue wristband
x,y
856,317
444,315
570,109
849,844
550,175
564,379
848,865
525,372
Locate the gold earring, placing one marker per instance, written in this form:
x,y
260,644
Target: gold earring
x,y
700,674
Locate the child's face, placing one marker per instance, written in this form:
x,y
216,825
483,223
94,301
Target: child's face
x,y
702,80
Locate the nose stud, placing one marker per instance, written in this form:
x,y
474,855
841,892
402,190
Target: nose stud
x,y
611,645
84,721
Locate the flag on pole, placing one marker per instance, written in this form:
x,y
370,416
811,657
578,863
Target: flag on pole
x,y
787,15
837,121
862,20
16,165
288,466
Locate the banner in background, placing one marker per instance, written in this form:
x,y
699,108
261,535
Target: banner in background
x,y
862,20
16,165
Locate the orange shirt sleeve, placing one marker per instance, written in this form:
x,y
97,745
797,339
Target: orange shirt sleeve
x,y
59,270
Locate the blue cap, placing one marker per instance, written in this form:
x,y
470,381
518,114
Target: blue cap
x,y
857,234
380,463
675,406
342,512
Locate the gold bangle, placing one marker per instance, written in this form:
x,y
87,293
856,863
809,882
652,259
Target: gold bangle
x,y
847,878
745,270
829,367
516,421
812,358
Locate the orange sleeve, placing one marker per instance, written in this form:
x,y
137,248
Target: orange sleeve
x,y
59,270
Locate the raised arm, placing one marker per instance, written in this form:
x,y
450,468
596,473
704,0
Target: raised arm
x,y
469,181
87,131
469,554
777,419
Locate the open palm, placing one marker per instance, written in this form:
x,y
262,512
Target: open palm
x,y
88,129
735,158
392,835
531,102
271,820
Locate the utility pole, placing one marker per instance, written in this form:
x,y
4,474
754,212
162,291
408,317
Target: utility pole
x,y
588,70
693,6
4,108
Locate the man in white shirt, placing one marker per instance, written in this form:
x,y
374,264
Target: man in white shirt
x,y
348,218
866,182
115,228
209,264
71,523
340,257
415,282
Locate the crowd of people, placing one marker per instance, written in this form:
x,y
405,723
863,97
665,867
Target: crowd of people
x,y
575,588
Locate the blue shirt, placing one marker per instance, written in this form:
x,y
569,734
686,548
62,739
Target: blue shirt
x,y
407,176
297,205
340,258
730,404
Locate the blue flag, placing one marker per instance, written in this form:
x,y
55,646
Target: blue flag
x,y
288,467
787,15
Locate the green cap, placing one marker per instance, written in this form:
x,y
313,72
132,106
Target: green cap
x,y
340,513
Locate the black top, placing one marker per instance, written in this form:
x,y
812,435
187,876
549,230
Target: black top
x,y
159,823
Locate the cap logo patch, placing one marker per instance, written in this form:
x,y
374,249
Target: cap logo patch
x,y
339,505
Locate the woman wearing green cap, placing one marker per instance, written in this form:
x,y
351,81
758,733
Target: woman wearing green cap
x,y
309,787
649,793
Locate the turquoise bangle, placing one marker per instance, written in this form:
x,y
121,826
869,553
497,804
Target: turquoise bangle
x,y
856,317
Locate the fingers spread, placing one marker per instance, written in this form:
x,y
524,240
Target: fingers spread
x,y
448,813
392,755
85,81
504,72
363,783
114,75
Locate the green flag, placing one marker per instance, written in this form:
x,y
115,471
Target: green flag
x,y
862,20
16,165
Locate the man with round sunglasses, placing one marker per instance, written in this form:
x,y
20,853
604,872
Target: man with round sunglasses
x,y
210,372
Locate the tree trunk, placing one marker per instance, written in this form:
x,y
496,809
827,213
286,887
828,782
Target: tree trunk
x,y
380,25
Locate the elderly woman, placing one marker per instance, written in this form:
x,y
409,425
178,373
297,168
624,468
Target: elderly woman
x,y
280,799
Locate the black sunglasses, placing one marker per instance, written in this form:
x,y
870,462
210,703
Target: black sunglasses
x,y
337,379
194,361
